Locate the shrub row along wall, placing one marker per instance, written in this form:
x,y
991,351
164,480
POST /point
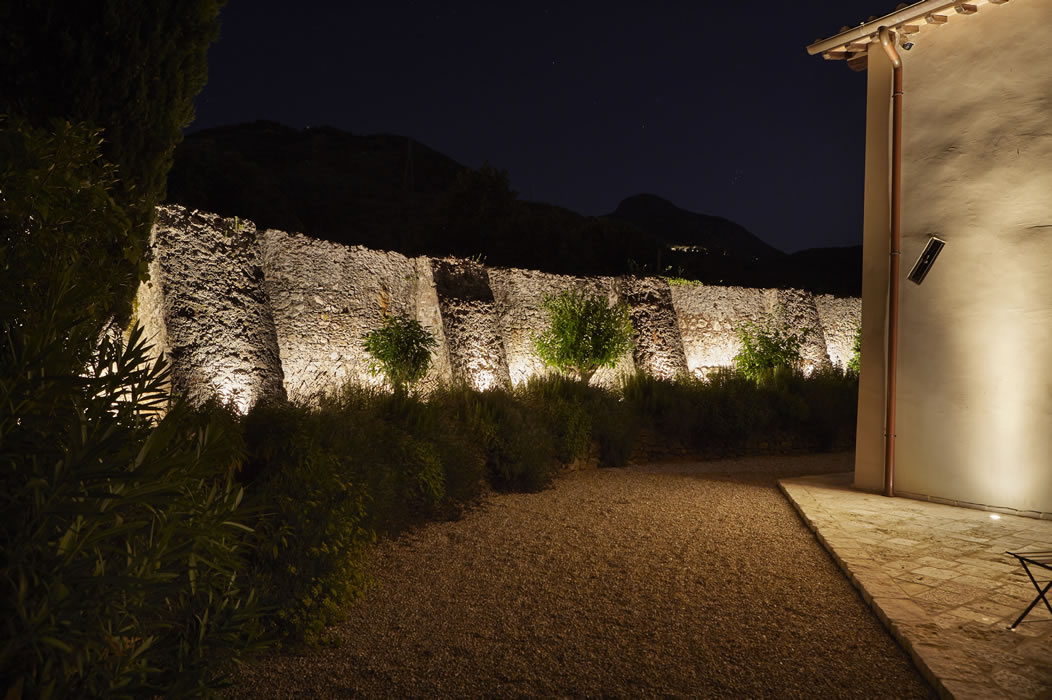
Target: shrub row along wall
x,y
242,314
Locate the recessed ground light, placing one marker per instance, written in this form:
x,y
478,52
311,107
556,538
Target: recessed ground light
x,y
994,516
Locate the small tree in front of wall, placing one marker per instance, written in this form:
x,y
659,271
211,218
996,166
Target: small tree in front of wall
x,y
401,350
767,347
584,334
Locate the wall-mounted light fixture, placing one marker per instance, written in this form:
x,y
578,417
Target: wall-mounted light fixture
x,y
926,260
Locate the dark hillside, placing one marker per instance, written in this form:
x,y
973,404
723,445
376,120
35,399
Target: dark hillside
x,y
390,192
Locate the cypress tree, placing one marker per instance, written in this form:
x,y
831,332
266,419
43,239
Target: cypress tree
x,y
129,68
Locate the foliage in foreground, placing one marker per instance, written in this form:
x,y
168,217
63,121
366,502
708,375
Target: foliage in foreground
x,y
121,540
58,226
121,543
584,334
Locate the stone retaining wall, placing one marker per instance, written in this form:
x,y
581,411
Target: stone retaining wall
x,y
245,316
206,308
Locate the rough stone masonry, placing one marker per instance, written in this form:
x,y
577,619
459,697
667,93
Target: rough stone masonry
x,y
242,315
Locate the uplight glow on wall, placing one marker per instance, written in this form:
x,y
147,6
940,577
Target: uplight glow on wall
x,y
234,392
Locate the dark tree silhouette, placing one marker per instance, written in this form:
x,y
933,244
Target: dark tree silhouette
x,y
127,67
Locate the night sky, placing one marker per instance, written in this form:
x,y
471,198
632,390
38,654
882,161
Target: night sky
x,y
715,106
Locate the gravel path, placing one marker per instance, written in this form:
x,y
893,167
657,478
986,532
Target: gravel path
x,y
693,579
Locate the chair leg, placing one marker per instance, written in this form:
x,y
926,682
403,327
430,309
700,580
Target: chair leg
x,y
1040,596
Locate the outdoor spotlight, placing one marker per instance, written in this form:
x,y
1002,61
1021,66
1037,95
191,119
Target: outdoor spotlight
x,y
926,260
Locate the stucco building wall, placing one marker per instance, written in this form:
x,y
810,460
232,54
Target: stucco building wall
x,y
876,249
974,406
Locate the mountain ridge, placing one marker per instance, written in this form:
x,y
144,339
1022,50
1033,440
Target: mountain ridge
x,y
391,192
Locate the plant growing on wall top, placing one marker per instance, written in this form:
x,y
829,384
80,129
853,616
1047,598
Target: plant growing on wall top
x,y
584,334
401,349
768,346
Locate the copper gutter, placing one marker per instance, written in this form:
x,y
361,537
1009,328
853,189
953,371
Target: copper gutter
x,y
888,43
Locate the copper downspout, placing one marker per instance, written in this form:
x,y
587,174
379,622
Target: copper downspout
x,y
888,43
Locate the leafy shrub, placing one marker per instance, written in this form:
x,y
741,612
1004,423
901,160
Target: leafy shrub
x,y
832,409
730,414
855,363
413,456
564,406
60,229
516,441
401,350
614,428
310,541
584,334
121,540
767,347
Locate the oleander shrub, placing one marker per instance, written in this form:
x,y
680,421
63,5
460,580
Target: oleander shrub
x,y
123,537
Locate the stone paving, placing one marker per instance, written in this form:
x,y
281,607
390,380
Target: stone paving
x,y
939,578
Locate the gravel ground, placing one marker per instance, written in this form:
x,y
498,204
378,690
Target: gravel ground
x,y
688,579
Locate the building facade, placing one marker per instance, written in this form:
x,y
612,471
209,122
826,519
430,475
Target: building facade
x,y
974,382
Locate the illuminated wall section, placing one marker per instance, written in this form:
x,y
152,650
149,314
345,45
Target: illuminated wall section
x,y
325,297
797,308
658,347
207,286
469,322
708,316
520,315
839,318
975,381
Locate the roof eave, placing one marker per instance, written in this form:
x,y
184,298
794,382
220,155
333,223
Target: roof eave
x,y
867,31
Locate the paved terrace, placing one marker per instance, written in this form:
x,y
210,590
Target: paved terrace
x,y
939,578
